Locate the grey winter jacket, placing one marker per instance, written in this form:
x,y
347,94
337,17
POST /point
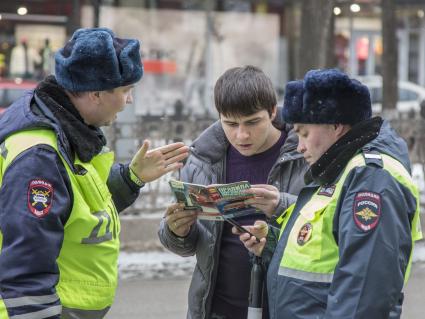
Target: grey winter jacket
x,y
206,165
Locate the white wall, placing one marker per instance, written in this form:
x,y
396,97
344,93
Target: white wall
x,y
238,39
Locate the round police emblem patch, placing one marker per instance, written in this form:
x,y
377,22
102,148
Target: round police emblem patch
x,y
304,234
367,210
40,195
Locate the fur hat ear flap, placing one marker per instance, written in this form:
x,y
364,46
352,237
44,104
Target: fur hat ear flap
x,y
329,97
293,101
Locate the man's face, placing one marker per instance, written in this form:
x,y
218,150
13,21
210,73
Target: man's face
x,y
251,134
110,103
315,139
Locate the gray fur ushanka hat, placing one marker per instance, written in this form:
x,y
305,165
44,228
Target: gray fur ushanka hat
x,y
326,97
95,60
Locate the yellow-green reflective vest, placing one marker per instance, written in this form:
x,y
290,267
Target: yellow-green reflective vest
x,y
89,254
317,258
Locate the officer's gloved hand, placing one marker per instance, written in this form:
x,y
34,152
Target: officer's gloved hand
x,y
149,165
259,230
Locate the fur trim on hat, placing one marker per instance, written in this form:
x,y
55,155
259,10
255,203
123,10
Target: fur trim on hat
x,y
95,60
326,97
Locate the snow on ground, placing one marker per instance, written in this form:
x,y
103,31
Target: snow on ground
x,y
419,252
154,265
166,265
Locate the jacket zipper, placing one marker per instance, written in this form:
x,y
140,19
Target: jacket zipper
x,y
213,275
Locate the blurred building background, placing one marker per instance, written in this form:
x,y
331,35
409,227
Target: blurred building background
x,y
356,28
188,44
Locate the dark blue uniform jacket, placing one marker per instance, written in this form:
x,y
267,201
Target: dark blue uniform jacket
x,y
31,244
368,279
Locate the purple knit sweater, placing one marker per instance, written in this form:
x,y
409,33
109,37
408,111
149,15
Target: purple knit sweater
x,y
230,299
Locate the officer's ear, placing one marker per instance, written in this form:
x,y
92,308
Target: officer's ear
x,y
94,96
341,129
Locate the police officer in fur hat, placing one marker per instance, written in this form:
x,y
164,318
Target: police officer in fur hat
x,y
345,247
60,191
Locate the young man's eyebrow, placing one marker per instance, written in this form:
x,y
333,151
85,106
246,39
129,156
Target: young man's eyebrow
x,y
257,118
253,119
244,121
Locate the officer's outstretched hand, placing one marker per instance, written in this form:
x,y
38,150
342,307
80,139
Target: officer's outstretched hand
x,y
266,198
259,230
148,165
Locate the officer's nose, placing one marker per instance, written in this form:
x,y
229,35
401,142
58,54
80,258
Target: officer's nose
x,y
301,147
129,99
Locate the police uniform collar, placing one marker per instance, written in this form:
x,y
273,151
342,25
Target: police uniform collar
x,y
86,141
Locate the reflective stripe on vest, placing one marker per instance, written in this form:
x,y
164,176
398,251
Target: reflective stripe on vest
x,y
304,275
31,300
86,283
316,259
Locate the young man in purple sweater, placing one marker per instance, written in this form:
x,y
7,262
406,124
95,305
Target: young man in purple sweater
x,y
250,143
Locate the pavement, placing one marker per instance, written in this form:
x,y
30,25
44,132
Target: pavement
x,y
139,298
414,306
154,283
166,298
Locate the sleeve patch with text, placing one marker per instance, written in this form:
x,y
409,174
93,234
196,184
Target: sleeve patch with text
x,y
367,210
40,197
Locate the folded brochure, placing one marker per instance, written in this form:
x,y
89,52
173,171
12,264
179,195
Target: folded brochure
x,y
214,202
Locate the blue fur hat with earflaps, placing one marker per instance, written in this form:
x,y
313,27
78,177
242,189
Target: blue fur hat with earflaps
x,y
326,97
95,60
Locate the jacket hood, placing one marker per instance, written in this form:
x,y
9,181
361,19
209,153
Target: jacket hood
x,y
19,117
390,143
212,144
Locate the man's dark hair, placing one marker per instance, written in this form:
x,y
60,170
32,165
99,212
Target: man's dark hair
x,y
244,91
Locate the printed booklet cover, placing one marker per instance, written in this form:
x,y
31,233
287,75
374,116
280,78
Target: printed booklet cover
x,y
215,202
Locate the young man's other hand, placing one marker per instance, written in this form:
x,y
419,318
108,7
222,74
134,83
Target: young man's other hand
x,y
266,198
179,220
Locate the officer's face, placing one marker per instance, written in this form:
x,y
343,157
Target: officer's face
x,y
110,103
251,134
315,139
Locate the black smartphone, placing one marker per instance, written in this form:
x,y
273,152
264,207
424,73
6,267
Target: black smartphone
x,y
240,228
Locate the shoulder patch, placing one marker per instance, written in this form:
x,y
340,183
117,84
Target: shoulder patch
x,y
367,210
327,190
40,197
